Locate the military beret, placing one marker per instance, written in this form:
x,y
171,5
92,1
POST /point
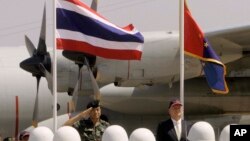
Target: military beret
x,y
93,104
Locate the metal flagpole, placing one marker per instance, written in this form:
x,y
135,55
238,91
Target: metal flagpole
x,y
181,43
54,70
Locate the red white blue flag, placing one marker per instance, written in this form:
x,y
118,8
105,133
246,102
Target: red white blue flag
x,y
79,28
196,45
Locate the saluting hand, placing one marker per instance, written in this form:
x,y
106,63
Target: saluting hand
x,y
86,113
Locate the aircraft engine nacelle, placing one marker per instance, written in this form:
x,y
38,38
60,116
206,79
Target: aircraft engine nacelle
x,y
68,75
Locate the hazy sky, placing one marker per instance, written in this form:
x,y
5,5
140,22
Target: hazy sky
x,y
20,17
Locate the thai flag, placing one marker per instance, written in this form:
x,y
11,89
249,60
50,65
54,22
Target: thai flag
x,y
79,28
197,46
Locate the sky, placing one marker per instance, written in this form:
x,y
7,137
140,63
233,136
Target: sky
x,y
23,17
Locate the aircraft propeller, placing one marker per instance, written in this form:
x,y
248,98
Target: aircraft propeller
x,y
84,59
96,91
39,63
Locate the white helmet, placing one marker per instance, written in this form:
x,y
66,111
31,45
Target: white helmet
x,y
66,133
225,133
142,134
41,133
115,133
201,131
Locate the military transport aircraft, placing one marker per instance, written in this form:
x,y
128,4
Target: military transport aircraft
x,y
133,93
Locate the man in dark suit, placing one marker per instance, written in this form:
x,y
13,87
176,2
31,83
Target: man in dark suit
x,y
173,129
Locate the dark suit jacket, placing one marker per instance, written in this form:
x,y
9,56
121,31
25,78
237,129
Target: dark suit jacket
x,y
166,131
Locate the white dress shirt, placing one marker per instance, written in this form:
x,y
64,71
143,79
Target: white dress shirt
x,y
177,127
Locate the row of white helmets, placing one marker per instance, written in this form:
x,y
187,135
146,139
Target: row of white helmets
x,y
112,133
200,131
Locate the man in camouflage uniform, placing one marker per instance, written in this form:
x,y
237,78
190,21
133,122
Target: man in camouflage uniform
x,y
90,129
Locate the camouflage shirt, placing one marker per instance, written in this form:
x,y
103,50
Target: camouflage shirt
x,y
90,132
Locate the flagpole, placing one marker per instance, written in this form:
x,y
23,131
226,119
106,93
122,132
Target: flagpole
x,y
181,43
54,70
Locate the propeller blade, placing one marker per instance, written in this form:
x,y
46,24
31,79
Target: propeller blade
x,y
93,81
94,5
73,101
36,108
75,96
30,46
42,49
47,75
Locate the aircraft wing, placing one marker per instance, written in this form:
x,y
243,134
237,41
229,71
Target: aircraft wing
x,y
238,35
234,41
